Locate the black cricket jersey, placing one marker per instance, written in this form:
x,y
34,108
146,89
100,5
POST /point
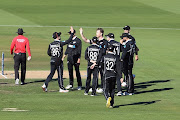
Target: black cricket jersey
x,y
55,50
111,65
117,47
103,44
93,53
74,49
134,41
128,50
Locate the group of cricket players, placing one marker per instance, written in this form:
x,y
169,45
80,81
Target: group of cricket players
x,y
112,60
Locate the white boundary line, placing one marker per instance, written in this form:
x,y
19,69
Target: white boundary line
x,y
39,26
3,75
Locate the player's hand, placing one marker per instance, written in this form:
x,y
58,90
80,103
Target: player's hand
x,y
63,59
29,58
71,29
121,41
92,66
79,60
81,31
121,80
92,61
136,58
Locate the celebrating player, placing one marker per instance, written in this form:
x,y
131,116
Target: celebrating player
x,y
112,68
55,51
103,46
93,56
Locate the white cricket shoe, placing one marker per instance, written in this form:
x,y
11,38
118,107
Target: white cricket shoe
x,y
119,93
90,90
130,93
125,93
85,93
17,82
100,90
44,88
79,88
63,90
69,87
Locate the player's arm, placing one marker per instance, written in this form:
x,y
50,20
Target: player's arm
x,y
49,51
83,37
79,51
12,46
63,57
86,55
70,38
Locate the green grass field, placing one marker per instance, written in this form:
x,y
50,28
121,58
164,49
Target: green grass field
x,y
156,27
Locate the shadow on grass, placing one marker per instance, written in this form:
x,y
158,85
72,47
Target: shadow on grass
x,y
154,90
138,103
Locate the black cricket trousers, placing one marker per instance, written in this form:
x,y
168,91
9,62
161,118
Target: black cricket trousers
x,y
109,89
78,75
94,81
55,67
20,59
128,77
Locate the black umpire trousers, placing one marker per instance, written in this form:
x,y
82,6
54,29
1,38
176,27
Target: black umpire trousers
x,y
78,75
128,77
55,67
20,59
88,80
109,88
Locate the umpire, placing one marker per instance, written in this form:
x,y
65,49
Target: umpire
x,y
74,55
20,43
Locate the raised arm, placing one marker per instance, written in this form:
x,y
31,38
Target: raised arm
x,y
70,38
83,37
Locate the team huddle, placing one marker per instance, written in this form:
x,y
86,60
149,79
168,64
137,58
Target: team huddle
x,y
113,60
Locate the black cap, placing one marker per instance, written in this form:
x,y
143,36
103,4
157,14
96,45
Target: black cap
x,y
20,31
124,35
111,48
70,32
56,34
94,39
110,35
126,27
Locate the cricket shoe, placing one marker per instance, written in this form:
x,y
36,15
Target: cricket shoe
x,y
108,102
44,88
69,87
125,93
100,90
90,90
17,82
63,90
130,93
79,88
119,93
110,107
94,94
85,93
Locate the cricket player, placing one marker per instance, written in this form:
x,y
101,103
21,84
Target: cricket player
x,y
128,50
116,51
73,59
93,56
112,67
103,46
55,52
21,44
127,29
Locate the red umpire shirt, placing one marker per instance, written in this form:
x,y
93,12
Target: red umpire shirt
x,y
20,43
